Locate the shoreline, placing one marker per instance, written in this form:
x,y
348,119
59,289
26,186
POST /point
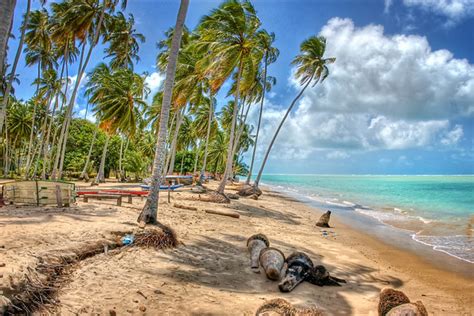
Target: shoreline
x,y
407,234
209,273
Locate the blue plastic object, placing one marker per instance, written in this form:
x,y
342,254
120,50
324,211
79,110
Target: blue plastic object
x,y
127,239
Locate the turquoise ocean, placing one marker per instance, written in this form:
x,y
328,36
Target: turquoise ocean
x,y
437,211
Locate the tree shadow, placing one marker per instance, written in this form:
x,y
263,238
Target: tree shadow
x,y
224,264
26,215
252,211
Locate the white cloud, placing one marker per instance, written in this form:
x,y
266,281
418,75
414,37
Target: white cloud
x,y
90,116
154,81
383,92
453,137
387,5
337,155
454,10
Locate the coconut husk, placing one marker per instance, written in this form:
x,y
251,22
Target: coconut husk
x,y
389,299
282,307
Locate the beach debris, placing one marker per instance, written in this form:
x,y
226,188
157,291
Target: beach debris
x,y
248,190
215,197
282,307
2,265
112,312
232,196
161,238
255,244
254,197
300,268
409,309
272,260
199,189
396,303
324,220
127,240
223,213
142,308
185,207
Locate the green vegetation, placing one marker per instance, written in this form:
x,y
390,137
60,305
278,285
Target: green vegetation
x,y
179,131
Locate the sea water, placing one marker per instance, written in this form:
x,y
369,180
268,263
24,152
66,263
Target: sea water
x,y
437,211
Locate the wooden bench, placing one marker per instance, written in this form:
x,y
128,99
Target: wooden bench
x,y
127,195
117,197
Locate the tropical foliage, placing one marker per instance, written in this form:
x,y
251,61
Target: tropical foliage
x,y
189,126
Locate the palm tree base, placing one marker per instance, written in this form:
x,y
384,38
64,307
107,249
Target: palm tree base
x,y
249,190
215,197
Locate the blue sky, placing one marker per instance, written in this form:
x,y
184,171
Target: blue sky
x,y
400,98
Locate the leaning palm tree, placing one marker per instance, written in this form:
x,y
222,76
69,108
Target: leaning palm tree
x,y
270,56
7,10
11,77
229,35
311,67
149,212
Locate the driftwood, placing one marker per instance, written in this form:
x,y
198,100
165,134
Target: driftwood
x,y
185,207
282,307
223,213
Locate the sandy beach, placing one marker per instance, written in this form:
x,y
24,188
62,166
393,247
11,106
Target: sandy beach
x,y
209,273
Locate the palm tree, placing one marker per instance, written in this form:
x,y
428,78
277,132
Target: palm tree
x,y
270,56
7,9
85,19
38,52
311,67
149,212
123,41
229,34
11,77
117,97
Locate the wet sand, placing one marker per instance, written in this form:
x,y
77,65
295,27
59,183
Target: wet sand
x,y
209,274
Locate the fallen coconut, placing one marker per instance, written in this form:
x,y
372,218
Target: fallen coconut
x,y
272,261
255,244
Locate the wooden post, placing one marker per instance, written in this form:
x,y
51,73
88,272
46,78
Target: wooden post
x,y
59,198
130,199
37,193
119,201
85,198
169,192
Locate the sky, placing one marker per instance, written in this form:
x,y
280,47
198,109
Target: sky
x,y
399,98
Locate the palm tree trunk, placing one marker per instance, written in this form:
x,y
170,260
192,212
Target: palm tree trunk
x,y
7,10
168,145
208,133
30,144
78,82
230,158
182,161
259,121
3,108
120,159
196,157
240,131
122,170
149,212
259,176
174,142
100,175
84,174
62,134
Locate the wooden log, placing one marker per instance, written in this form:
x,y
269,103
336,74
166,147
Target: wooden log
x,y
185,207
59,198
223,213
